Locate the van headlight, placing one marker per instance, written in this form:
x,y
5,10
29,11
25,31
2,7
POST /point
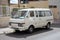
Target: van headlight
x,y
21,24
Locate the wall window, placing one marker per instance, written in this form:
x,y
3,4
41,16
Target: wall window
x,y
52,6
31,13
23,1
33,0
38,0
4,11
26,1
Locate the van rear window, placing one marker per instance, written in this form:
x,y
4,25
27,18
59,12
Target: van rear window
x,y
41,13
48,13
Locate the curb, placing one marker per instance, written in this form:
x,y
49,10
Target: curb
x,y
6,31
1,33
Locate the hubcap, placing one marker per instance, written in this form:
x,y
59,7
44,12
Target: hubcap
x,y
31,29
48,25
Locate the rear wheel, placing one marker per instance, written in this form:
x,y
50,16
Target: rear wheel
x,y
48,26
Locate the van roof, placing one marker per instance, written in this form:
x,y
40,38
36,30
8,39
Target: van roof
x,y
35,9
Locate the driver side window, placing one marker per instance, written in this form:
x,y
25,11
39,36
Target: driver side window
x,y
31,13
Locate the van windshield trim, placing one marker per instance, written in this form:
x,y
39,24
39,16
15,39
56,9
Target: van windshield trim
x,y
20,14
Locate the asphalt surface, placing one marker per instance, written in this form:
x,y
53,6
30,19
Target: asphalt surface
x,y
39,34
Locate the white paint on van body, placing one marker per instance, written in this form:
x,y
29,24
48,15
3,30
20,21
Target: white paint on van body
x,y
35,21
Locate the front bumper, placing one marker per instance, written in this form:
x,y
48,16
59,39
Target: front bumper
x,y
19,28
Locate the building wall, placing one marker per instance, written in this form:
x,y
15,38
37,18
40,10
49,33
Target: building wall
x,y
4,2
35,4
1,11
55,10
13,6
55,13
58,4
0,8
3,19
40,4
4,7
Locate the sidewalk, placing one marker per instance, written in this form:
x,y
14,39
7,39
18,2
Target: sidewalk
x,y
6,30
56,21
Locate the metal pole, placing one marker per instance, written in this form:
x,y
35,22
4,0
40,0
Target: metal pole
x,y
18,3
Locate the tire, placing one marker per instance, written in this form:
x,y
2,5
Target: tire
x,y
17,31
48,26
30,29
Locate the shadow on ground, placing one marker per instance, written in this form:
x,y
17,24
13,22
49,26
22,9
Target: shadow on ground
x,y
24,34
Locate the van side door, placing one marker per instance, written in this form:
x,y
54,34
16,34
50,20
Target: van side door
x,y
41,18
36,19
32,17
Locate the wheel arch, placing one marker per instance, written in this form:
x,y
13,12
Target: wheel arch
x,y
32,26
49,23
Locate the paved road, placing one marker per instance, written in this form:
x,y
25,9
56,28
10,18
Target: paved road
x,y
39,34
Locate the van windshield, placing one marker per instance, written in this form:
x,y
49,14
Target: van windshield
x,y
20,14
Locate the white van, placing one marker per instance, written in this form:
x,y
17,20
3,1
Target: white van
x,y
28,19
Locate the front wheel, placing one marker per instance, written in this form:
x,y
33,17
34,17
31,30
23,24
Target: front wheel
x,y
31,29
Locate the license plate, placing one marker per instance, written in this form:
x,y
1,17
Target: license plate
x,y
14,25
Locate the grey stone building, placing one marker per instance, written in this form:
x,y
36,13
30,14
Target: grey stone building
x,y
4,8
57,4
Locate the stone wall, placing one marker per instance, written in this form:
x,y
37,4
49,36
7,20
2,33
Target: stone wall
x,y
4,21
